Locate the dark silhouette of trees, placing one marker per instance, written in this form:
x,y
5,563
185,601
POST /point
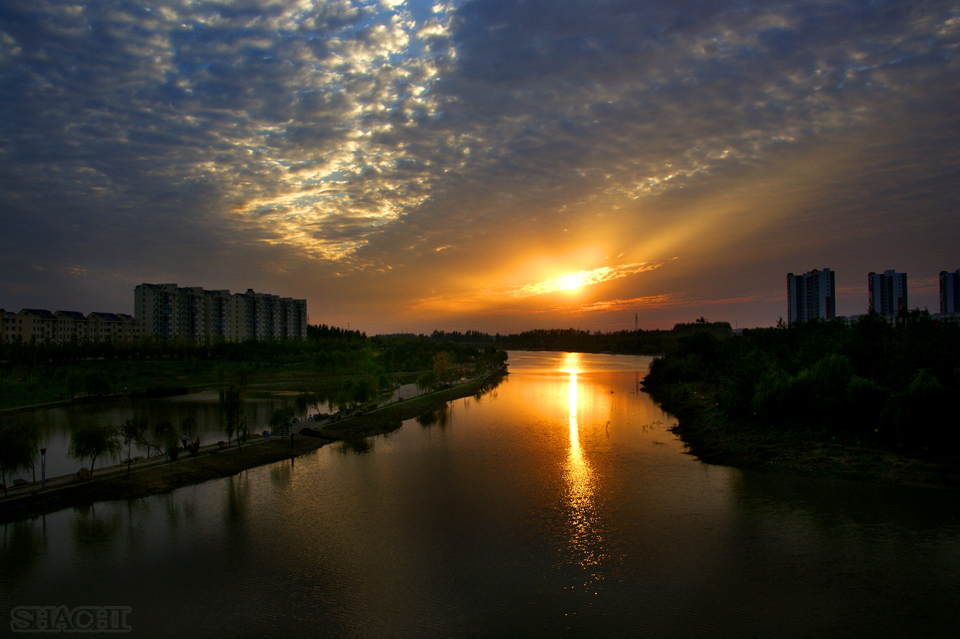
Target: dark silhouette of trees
x,y
890,383
19,445
231,413
93,441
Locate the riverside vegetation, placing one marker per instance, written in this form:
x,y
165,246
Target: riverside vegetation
x,y
214,463
341,368
866,400
36,374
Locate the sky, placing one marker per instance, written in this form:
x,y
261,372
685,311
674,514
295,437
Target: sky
x,y
478,164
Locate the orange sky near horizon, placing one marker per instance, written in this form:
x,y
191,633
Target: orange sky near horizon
x,y
473,165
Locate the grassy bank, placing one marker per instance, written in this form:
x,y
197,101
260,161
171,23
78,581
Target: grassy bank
x,y
391,417
43,385
714,437
213,463
40,374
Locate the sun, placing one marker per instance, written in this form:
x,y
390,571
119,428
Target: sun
x,y
570,282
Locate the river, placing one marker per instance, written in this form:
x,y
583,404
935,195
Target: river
x,y
556,504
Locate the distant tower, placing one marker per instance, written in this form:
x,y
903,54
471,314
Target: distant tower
x,y
811,295
636,322
950,292
888,292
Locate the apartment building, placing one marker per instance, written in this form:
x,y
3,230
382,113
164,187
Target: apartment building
x,y
37,324
117,327
950,292
166,311
888,292
293,321
8,326
61,327
192,309
217,316
71,326
156,308
811,295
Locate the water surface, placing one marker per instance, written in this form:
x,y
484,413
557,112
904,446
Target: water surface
x,y
557,504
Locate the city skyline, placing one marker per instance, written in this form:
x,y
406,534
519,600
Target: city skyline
x,y
478,164
207,316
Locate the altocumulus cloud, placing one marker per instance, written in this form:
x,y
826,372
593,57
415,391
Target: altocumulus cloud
x,y
359,137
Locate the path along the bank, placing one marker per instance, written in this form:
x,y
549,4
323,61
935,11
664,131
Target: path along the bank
x,y
157,475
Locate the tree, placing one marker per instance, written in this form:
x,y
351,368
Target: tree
x,y
384,387
95,440
231,413
18,448
441,367
426,380
360,392
139,431
188,426
342,396
280,420
301,403
320,396
493,358
132,430
164,431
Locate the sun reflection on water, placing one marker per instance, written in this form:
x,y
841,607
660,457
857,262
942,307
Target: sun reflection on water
x,y
571,364
580,487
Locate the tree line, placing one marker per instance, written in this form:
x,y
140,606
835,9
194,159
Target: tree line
x,y
637,342
32,374
893,384
344,370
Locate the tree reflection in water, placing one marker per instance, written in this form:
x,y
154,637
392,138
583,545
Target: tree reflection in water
x,y
22,547
94,532
281,473
237,500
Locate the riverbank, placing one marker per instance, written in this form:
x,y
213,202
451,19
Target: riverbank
x,y
713,438
157,477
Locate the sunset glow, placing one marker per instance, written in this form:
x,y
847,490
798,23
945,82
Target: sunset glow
x,y
477,165
572,281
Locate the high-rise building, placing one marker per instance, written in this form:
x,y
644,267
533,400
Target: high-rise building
x,y
166,311
950,292
811,295
218,315
157,309
192,307
888,292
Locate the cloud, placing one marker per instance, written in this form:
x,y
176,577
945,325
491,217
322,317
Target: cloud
x,y
571,281
360,137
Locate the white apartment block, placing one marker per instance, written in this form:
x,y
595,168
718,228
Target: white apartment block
x,y
888,292
167,312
